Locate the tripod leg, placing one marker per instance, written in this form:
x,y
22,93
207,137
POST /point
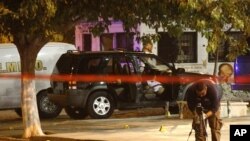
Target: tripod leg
x,y
200,131
199,136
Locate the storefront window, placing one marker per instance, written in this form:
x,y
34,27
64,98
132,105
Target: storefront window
x,y
125,41
183,50
117,41
106,42
187,48
224,49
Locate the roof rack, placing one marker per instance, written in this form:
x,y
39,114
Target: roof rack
x,y
120,49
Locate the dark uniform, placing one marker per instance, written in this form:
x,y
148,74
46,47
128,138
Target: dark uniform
x,y
209,102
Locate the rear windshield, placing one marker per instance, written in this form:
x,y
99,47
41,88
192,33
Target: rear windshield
x,y
63,65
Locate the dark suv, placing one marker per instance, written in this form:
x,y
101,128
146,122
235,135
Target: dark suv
x,y
99,82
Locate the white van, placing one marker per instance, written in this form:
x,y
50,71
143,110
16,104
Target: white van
x,y
10,90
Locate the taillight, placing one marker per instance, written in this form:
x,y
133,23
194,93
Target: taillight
x,y
72,84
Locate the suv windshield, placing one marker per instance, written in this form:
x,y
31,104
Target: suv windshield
x,y
150,62
155,63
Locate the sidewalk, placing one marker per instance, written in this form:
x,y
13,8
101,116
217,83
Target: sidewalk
x,y
171,129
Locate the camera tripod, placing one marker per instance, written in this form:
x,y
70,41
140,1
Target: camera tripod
x,y
199,124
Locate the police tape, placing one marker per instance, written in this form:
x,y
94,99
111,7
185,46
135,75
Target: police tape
x,y
109,78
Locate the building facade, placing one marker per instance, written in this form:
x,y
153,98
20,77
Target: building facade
x,y
191,46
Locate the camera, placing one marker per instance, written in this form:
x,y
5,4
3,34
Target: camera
x,y
199,109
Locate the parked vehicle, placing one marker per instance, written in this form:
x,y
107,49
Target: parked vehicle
x,y
241,73
107,80
10,90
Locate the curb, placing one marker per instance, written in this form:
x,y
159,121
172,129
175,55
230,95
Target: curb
x,y
12,139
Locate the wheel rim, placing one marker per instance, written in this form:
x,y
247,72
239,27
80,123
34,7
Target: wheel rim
x,y
101,105
47,106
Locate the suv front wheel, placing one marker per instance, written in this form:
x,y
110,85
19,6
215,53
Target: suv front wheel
x,y
100,105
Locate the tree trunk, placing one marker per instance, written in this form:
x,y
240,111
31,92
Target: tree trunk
x,y
31,121
216,61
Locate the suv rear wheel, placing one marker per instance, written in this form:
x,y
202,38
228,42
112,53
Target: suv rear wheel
x,y
76,112
100,105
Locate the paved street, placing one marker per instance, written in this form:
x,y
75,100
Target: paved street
x,y
147,128
122,126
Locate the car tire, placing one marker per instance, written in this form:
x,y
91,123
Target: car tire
x,y
46,108
76,112
100,105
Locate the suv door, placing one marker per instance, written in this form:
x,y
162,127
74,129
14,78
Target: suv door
x,y
138,91
123,67
152,70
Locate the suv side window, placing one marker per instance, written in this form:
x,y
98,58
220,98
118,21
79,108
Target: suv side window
x,y
106,65
95,65
123,65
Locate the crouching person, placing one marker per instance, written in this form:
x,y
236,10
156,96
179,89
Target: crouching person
x,y
203,95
